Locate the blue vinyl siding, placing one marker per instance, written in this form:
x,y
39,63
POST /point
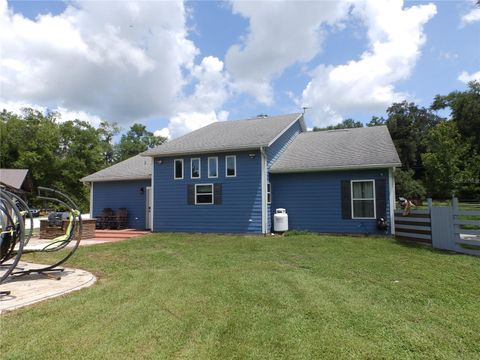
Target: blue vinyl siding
x,y
239,212
275,150
313,200
122,194
278,147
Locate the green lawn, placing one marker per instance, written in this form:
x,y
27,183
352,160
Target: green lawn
x,y
234,297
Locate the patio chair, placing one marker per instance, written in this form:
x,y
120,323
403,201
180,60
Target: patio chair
x,y
122,218
106,220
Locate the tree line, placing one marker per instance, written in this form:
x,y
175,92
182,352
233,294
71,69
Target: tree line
x,y
59,153
440,155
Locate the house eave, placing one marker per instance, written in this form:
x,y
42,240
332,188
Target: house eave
x,y
206,151
116,178
336,168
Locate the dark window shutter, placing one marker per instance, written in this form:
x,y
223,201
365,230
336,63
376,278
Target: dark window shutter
x,y
191,194
217,192
381,198
346,200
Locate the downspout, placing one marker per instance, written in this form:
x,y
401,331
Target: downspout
x,y
152,194
91,200
263,162
391,190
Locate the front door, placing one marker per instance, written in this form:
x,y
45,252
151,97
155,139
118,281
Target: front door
x,y
148,208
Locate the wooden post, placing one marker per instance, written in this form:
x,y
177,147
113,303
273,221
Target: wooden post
x,y
430,203
455,205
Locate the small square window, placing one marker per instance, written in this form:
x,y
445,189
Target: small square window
x,y
195,168
230,166
178,169
203,194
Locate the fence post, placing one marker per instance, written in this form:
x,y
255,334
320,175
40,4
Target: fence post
x,y
430,204
455,205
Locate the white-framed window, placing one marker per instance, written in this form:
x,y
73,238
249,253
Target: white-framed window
x,y
363,199
213,167
195,168
230,165
269,193
203,194
178,169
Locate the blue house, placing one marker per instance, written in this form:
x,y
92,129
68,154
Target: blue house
x,y
229,177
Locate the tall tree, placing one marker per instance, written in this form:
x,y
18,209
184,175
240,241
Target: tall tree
x,y
465,112
107,132
79,153
445,161
137,140
409,125
57,154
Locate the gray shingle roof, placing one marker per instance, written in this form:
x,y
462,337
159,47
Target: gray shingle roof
x,y
135,168
227,136
13,177
338,149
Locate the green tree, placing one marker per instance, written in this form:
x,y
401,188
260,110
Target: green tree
x,y
465,112
345,124
444,160
57,154
407,186
79,154
137,140
376,121
107,132
408,125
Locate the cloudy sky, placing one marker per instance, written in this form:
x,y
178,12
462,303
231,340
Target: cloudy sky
x,y
176,66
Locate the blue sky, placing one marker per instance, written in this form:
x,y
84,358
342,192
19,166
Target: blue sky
x,y
176,66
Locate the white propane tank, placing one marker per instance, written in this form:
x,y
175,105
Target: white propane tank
x,y
280,220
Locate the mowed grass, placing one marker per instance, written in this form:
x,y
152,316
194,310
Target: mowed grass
x,y
180,296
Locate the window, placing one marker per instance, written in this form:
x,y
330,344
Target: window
x,y
363,199
269,193
230,166
213,167
178,169
195,168
203,194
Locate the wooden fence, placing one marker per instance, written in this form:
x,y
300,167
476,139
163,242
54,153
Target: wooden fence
x,y
415,226
444,227
466,238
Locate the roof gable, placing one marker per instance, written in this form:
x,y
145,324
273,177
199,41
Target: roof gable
x,y
228,136
14,178
339,149
135,168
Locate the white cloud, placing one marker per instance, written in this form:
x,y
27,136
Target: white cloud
x,y
202,107
280,34
65,114
122,61
471,17
395,37
123,64
165,132
186,122
465,77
